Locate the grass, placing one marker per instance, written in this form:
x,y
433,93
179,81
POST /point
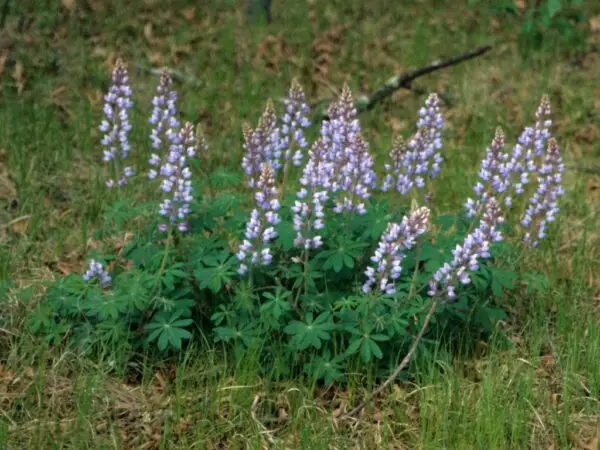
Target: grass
x,y
542,393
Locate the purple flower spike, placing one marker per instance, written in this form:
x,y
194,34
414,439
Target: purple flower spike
x,y
176,180
391,251
493,177
530,146
295,120
353,176
260,229
166,127
543,204
262,145
95,269
309,208
476,246
410,163
396,177
542,126
116,126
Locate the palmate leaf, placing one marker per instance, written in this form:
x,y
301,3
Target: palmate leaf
x,y
218,271
245,334
286,235
311,332
169,330
330,369
501,280
344,253
222,178
366,343
277,304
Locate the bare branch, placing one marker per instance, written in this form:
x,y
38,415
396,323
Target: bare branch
x,y
400,366
404,80
176,75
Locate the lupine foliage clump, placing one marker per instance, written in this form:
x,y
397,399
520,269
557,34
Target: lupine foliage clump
x,y
315,260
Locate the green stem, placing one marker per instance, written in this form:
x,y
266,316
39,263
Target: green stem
x,y
413,282
304,287
286,169
163,264
211,190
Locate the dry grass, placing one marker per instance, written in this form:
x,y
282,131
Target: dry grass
x,y
543,393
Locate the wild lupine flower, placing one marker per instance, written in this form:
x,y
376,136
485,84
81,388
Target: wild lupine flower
x,y
176,180
391,251
543,205
430,124
262,145
309,208
164,118
356,178
530,145
476,246
294,121
95,269
260,229
201,142
492,177
420,157
116,126
542,126
348,153
395,174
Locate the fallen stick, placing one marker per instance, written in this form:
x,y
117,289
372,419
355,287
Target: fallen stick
x,y
177,76
400,367
404,80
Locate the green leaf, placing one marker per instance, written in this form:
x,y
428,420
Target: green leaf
x,y
310,333
536,282
365,350
446,221
278,304
163,341
168,329
222,178
375,349
552,8
502,280
354,346
286,235
218,273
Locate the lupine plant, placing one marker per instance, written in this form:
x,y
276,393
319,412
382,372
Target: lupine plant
x,y
116,126
333,272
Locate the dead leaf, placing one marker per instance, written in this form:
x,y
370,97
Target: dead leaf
x,y
156,59
100,52
66,268
3,58
19,77
20,225
69,4
595,24
148,32
189,13
282,415
594,444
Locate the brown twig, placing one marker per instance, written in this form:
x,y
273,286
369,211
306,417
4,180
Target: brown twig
x,y
176,75
404,80
400,366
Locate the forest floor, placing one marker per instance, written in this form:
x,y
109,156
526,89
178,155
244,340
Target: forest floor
x,y
55,61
